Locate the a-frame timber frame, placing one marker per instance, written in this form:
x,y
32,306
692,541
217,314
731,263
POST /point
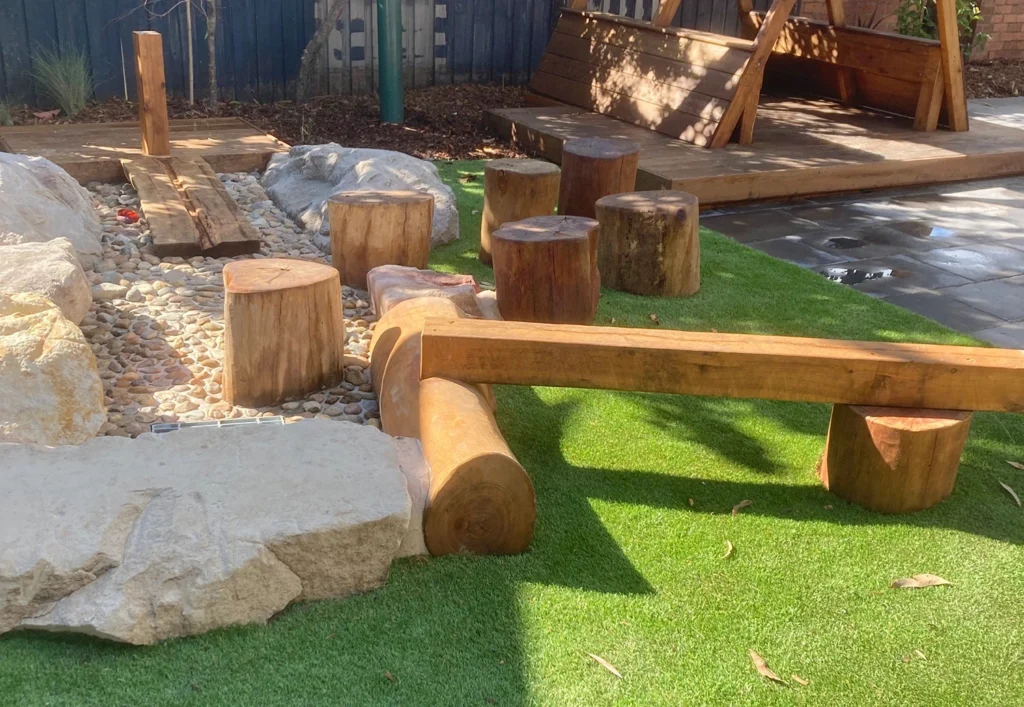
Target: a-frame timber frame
x,y
705,88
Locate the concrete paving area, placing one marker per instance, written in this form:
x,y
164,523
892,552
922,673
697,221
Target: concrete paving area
x,y
954,253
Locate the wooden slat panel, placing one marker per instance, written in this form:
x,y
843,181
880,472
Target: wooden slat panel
x,y
690,48
710,82
629,85
724,365
633,110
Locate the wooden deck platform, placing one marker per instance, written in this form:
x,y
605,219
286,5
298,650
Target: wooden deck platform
x,y
93,151
803,147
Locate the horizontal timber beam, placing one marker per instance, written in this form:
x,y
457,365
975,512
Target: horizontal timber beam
x,y
724,365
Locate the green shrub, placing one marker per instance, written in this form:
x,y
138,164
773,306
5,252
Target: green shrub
x,y
5,112
64,76
918,18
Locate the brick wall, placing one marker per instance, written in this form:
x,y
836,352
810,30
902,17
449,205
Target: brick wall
x,y
1003,20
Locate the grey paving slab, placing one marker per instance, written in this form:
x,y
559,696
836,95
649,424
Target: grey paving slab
x,y
946,310
1002,298
861,243
977,262
1008,336
891,275
795,250
758,225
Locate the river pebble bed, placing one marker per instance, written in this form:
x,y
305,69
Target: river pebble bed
x,y
156,325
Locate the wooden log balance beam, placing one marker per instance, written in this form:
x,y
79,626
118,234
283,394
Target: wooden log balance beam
x,y
901,412
725,365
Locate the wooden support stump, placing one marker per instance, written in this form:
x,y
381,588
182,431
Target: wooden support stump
x,y
649,243
545,269
514,190
284,330
481,500
593,167
893,460
152,89
371,228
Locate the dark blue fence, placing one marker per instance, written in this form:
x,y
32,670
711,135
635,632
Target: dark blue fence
x,y
260,42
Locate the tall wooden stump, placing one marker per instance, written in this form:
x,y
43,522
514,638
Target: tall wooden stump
x,y
514,190
149,75
649,243
545,269
284,330
593,167
893,460
371,228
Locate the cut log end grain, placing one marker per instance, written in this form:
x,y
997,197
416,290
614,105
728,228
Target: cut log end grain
x,y
893,460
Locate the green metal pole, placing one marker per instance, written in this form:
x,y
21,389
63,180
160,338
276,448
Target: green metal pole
x,y
389,40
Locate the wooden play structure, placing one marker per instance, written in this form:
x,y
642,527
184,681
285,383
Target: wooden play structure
x,y
796,107
899,454
705,88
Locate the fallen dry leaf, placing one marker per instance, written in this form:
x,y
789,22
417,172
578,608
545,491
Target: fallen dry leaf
x,y
828,506
606,665
741,505
48,114
918,654
729,549
1016,498
466,178
654,318
762,667
691,503
800,681
919,581
389,676
1016,465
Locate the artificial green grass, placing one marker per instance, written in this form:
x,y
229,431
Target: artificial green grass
x,y
634,495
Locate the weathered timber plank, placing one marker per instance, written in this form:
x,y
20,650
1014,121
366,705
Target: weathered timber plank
x,y
952,64
174,232
724,365
223,229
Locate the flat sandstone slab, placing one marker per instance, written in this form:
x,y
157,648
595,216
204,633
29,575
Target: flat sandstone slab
x,y
177,534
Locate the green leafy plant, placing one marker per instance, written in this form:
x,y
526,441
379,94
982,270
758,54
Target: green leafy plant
x,y
6,110
64,76
918,18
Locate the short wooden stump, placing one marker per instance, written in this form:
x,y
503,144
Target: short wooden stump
x,y
893,460
371,228
284,331
545,270
649,243
593,167
514,190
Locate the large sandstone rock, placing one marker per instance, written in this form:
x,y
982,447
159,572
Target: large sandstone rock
x,y
39,201
301,180
50,391
49,269
176,534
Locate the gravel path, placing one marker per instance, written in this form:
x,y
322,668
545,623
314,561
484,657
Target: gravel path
x,y
156,326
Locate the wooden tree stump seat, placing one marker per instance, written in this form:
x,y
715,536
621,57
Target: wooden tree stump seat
x,y
371,228
649,243
593,167
514,190
893,460
545,269
284,330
